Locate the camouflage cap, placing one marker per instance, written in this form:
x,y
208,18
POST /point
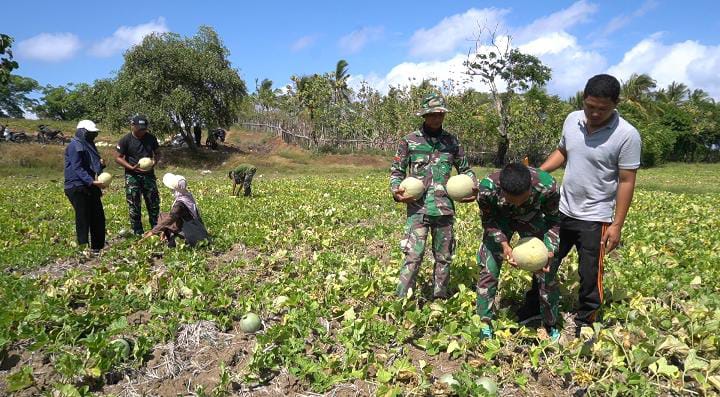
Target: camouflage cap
x,y
432,103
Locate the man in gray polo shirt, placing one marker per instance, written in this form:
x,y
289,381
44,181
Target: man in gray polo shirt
x,y
601,153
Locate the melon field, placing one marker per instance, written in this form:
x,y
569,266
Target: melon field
x,y
316,256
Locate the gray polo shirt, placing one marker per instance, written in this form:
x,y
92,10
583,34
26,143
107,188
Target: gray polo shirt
x,y
593,165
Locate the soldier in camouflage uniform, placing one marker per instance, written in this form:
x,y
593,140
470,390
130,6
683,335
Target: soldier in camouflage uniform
x,y
524,200
429,154
242,175
139,183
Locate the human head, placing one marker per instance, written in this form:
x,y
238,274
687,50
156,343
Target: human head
x,y
90,129
139,124
600,97
433,109
515,183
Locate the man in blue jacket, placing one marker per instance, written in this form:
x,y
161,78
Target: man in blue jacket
x,y
82,165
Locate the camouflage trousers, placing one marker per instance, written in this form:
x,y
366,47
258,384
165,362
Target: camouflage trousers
x,y
443,246
244,179
136,188
490,257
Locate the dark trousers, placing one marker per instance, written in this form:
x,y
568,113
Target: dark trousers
x,y
198,135
585,236
89,215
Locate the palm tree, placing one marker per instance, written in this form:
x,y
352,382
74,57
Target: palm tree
x,y
341,91
699,95
637,91
265,94
676,93
577,100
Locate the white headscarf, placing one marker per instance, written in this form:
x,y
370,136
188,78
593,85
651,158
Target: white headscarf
x,y
184,196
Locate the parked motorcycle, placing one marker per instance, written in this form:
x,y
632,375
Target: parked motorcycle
x,y
47,135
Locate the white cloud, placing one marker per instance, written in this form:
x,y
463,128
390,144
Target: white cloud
x,y
126,37
454,31
303,43
50,47
356,40
688,62
562,20
571,61
622,20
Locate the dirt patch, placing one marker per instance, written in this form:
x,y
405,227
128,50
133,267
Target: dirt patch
x,y
190,362
60,267
441,363
237,251
43,373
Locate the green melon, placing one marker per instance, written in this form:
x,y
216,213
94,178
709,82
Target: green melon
x,y
414,187
122,346
250,323
146,163
459,187
530,254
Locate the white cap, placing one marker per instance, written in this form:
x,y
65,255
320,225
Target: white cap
x,y
88,125
172,181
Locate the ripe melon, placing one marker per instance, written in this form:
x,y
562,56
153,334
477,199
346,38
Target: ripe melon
x,y
105,178
530,254
146,163
459,187
448,379
250,323
413,187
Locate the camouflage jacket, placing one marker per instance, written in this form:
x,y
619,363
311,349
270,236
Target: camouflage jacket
x,y
538,215
244,168
429,159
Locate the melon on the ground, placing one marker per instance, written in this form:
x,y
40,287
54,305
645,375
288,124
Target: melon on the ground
x,y
250,323
146,163
414,187
122,346
459,187
530,254
488,384
105,178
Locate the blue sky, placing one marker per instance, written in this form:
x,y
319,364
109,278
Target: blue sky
x,y
385,42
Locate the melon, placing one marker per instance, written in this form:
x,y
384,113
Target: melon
x,y
530,254
250,323
413,187
459,187
448,379
488,384
105,178
146,163
122,346
280,301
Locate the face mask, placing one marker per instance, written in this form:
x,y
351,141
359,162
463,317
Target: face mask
x,y
90,136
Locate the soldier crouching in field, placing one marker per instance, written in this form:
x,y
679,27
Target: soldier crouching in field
x,y
429,153
242,175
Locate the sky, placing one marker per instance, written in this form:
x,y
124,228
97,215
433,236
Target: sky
x,y
386,43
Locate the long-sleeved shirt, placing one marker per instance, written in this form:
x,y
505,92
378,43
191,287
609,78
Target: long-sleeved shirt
x,y
538,215
78,166
430,158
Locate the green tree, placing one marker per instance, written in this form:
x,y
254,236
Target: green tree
x,y
15,96
6,63
341,91
64,102
637,92
265,95
176,82
493,62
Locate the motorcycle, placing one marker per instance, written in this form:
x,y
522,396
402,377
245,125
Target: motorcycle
x,y
47,135
214,136
12,136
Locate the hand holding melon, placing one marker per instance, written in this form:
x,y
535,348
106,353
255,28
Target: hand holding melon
x,y
461,188
104,179
145,164
531,254
411,189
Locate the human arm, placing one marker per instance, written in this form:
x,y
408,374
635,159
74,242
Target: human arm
x,y
489,212
625,192
463,167
397,172
75,163
555,160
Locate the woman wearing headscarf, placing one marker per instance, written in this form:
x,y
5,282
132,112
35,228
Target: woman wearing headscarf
x,y
82,166
184,219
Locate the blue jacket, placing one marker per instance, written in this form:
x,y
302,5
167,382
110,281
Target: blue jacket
x,y
82,162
